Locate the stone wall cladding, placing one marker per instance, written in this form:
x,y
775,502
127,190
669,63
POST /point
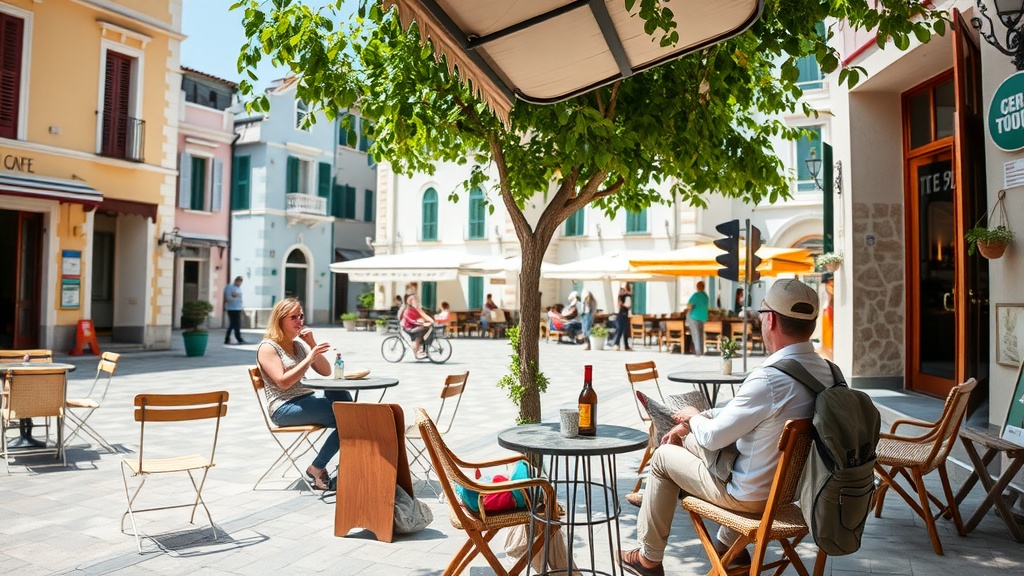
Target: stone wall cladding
x,y
879,291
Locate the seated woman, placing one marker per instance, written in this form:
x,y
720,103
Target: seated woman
x,y
442,317
416,323
556,321
289,349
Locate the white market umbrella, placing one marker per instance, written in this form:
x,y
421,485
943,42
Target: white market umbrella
x,y
611,266
438,265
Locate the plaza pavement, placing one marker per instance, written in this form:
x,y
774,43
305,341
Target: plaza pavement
x,y
65,520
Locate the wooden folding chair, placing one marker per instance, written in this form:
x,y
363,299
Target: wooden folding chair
x,y
302,444
914,457
453,387
33,394
481,527
640,373
162,408
92,401
673,334
638,329
781,520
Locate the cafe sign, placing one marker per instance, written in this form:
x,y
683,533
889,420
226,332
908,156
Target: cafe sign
x,y
1006,114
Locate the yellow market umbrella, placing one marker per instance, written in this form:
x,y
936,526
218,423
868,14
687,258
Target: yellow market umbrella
x,y
699,260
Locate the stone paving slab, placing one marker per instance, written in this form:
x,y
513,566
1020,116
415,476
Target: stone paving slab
x,y
65,520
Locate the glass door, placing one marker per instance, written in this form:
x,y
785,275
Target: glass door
x,y
27,303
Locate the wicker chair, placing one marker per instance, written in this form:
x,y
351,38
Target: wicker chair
x,y
914,457
639,373
481,527
781,520
33,394
304,439
452,389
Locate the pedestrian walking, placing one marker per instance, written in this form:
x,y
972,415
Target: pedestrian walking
x,y
233,306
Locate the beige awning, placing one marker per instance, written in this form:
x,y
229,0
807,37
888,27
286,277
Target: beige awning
x,y
544,51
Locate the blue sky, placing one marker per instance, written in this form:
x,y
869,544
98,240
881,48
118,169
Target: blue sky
x,y
215,36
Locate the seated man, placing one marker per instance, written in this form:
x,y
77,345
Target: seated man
x,y
754,420
416,324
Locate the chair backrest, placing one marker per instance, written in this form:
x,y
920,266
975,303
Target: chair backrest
x,y
34,355
636,323
454,385
35,393
151,408
638,373
104,372
947,427
795,445
445,464
675,331
258,386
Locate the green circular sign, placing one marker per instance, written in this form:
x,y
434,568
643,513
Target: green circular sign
x,y
1006,114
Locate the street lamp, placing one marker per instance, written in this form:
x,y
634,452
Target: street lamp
x,y
172,240
1009,13
814,167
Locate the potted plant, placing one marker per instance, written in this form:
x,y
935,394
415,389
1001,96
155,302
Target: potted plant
x,y
830,261
598,336
728,346
991,242
349,320
382,324
365,299
194,315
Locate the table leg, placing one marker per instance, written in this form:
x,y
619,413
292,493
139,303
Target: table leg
x,y
25,439
972,479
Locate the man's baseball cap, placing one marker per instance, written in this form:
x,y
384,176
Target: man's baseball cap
x,y
792,298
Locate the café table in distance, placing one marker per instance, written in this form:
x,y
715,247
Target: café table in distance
x,y
570,471
26,439
708,382
354,385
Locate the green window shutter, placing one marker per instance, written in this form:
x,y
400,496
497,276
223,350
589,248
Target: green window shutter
x,y
805,183
198,197
323,184
350,202
574,224
429,226
639,298
428,290
476,292
292,176
477,215
338,200
636,222
240,177
343,132
368,206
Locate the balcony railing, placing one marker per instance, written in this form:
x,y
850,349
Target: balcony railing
x,y
123,137
306,204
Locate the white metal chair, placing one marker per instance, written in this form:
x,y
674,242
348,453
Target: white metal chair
x,y
173,408
302,444
92,401
453,387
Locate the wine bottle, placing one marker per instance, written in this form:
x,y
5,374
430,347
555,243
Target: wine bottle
x,y
339,368
588,404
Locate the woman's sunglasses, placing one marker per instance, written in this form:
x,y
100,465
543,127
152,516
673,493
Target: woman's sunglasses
x,y
298,316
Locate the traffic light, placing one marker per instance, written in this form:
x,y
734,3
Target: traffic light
x,y
753,261
730,261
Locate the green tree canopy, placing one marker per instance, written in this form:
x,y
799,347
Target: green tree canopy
x,y
696,126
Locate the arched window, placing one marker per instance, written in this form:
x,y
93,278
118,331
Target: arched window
x,y
296,257
429,229
296,268
477,215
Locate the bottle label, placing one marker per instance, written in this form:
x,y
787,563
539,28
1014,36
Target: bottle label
x,y
585,415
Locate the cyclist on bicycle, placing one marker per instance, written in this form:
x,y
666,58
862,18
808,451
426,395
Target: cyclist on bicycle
x,y
416,324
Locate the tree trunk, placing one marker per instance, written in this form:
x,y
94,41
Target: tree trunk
x,y
529,335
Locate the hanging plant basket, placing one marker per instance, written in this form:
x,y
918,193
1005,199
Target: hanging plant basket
x,y
991,240
993,249
832,266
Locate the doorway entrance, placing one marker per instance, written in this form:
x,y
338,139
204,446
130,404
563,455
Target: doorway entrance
x,y
21,241
295,269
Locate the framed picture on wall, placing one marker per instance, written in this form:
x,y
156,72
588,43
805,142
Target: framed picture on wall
x,y
1013,427
1009,334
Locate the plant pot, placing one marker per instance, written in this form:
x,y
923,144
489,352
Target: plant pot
x,y
991,250
597,342
195,343
382,329
727,366
350,325
832,266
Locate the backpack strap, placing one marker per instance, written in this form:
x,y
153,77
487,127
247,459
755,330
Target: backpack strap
x,y
796,370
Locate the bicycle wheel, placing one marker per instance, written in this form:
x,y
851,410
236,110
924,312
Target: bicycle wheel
x,y
393,349
439,350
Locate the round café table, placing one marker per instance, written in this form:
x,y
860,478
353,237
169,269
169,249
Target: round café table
x,y
708,382
355,385
25,439
582,470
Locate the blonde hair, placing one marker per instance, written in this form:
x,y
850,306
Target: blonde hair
x,y
281,310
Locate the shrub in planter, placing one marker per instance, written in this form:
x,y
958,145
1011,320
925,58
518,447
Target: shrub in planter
x,y
598,337
365,300
194,315
349,320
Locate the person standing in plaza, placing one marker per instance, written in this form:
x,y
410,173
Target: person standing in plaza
x,y
587,311
625,302
485,314
754,420
696,316
233,306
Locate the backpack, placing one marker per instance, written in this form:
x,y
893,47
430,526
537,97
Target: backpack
x,y
838,481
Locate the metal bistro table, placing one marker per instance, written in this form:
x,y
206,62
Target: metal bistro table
x,y
708,382
25,438
355,385
571,471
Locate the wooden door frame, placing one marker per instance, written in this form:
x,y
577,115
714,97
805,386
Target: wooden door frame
x,y
36,272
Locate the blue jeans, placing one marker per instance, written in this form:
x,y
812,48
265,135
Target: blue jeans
x,y
588,322
622,329
314,408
